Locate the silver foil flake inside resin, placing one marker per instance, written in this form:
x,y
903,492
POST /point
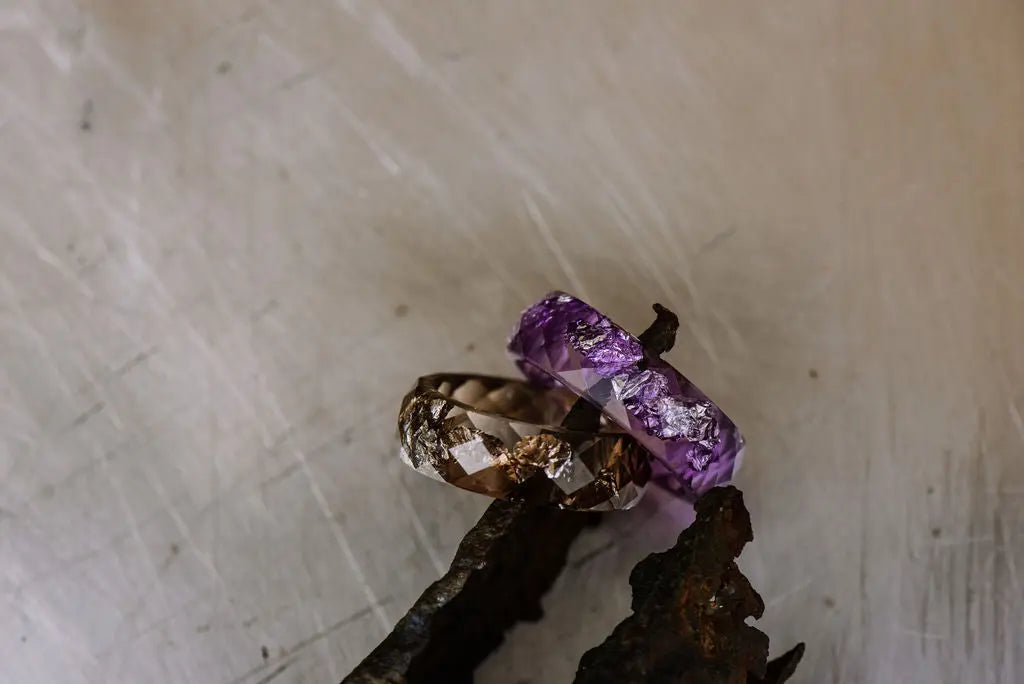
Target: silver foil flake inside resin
x,y
609,349
693,421
642,386
418,432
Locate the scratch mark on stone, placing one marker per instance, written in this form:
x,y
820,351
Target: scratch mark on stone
x,y
556,250
717,240
87,414
31,237
371,139
276,673
343,544
135,361
331,629
283,475
779,598
285,435
332,664
207,35
921,635
419,529
302,76
126,81
135,531
310,640
627,224
404,53
669,241
335,525
103,395
387,35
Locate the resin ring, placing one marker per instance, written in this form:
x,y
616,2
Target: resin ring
x,y
500,437
563,339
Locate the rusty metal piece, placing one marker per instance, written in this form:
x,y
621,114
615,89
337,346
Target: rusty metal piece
x,y
503,567
690,606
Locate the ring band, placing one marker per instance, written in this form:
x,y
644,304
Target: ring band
x,y
564,339
500,437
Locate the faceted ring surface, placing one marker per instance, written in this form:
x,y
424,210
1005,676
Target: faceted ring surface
x,y
562,340
500,437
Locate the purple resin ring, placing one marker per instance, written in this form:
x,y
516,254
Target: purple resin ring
x,y
564,339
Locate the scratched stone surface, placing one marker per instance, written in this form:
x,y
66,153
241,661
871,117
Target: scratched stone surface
x,y
233,232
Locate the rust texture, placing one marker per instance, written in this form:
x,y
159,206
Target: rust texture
x,y
690,606
503,567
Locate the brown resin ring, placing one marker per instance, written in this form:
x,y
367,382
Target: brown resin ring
x,y
501,437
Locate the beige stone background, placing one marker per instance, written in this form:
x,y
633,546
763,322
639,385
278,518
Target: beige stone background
x,y
233,232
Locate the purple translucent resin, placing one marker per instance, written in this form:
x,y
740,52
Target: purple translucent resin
x,y
563,339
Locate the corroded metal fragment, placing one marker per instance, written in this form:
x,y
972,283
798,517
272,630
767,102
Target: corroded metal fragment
x,y
500,572
690,605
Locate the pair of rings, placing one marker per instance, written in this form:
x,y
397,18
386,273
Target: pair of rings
x,y
506,438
